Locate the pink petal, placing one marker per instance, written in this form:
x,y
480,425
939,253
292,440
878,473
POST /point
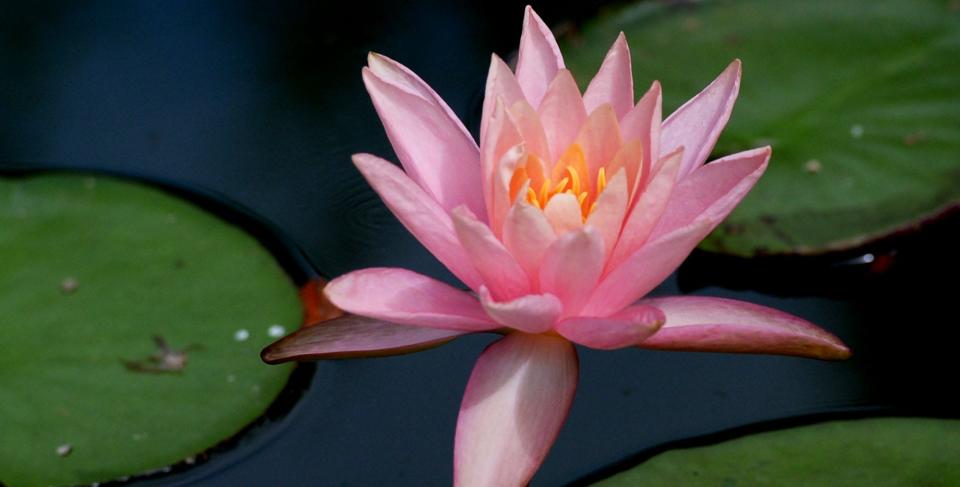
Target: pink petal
x,y
503,144
613,83
571,267
697,124
607,216
643,123
564,213
643,270
527,121
705,324
517,399
354,336
435,149
499,270
420,214
562,112
527,234
600,138
501,85
407,298
712,192
400,76
623,329
539,58
533,313
646,212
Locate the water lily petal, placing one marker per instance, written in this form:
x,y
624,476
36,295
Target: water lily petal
x,y
499,270
705,324
564,213
533,313
562,112
405,297
613,83
571,267
643,270
643,123
600,138
539,58
352,336
527,121
607,216
420,214
527,233
501,85
400,76
500,151
517,399
697,124
712,192
435,150
649,206
623,329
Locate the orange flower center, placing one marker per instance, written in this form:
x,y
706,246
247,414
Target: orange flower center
x,y
569,175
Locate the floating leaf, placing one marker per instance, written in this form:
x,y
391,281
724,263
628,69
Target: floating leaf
x,y
868,452
131,329
859,100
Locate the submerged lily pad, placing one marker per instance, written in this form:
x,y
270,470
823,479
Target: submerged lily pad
x,y
91,271
868,452
859,100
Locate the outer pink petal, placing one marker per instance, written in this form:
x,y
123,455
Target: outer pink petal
x,y
607,216
643,122
623,329
420,214
517,399
354,336
502,144
533,313
697,124
562,113
649,206
712,192
501,85
539,58
400,76
571,267
600,138
435,149
613,83
527,234
643,270
704,324
500,271
407,298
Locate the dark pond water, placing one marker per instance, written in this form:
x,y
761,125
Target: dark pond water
x,y
263,103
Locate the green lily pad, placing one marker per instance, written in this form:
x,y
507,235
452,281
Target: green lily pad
x,y
859,100
92,270
868,452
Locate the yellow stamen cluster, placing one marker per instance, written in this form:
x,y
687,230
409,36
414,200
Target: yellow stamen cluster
x,y
571,175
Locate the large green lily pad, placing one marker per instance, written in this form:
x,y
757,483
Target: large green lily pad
x,y
91,269
859,100
869,453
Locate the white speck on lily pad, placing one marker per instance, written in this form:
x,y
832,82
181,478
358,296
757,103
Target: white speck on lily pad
x,y
856,131
231,378
276,331
139,436
241,335
64,449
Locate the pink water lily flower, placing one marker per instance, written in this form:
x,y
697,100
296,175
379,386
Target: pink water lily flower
x,y
571,209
